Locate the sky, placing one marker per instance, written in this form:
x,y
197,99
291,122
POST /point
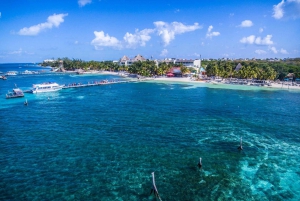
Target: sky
x,y
100,30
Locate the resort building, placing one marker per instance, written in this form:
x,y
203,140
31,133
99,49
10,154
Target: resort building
x,y
138,58
186,62
126,61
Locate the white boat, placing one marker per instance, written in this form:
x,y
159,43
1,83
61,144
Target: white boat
x,y
27,72
46,87
16,93
11,73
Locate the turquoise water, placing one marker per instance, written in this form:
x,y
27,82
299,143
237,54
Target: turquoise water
x,y
103,142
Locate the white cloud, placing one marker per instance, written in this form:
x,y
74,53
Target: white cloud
x,y
168,31
138,38
102,40
248,40
264,41
252,39
246,23
84,2
260,52
273,49
210,34
164,52
19,51
287,9
52,20
261,30
278,10
283,51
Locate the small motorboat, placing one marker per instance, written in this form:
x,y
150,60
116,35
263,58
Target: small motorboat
x,y
3,77
16,93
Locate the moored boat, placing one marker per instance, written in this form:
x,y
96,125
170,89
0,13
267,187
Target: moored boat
x,y
3,77
11,73
16,93
46,87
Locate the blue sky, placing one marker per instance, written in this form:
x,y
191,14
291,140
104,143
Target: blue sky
x,y
34,30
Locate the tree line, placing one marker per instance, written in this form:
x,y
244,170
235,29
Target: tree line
x,y
262,70
144,68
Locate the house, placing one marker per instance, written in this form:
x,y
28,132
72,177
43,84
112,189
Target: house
x,y
174,72
125,61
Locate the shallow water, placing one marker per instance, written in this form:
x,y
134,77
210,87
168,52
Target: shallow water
x,y
103,142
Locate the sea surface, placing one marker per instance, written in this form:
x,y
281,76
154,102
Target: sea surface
x,y
103,142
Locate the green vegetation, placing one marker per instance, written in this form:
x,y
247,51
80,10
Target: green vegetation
x,y
258,69
74,64
254,69
144,68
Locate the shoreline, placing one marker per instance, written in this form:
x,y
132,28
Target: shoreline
x,y
222,85
274,86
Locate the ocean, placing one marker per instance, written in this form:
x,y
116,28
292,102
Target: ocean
x,y
103,142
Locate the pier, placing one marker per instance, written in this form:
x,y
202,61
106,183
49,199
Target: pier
x,y
96,83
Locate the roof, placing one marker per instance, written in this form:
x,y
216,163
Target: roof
x,y
202,69
238,67
124,58
175,70
139,58
184,60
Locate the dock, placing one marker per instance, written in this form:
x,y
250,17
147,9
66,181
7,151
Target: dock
x,y
96,83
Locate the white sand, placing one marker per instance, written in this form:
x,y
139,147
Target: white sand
x,y
204,83
221,85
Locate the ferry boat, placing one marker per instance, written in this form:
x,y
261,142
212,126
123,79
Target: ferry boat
x,y
16,93
46,87
11,73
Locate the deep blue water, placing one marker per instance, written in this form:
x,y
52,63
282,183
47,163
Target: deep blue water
x,y
103,142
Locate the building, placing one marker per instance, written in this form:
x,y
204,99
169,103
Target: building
x,y
191,63
138,58
174,72
126,61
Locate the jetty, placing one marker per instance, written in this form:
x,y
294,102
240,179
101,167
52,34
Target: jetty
x,y
97,83
94,83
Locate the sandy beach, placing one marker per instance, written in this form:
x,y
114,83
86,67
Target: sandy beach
x,y
205,83
222,85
